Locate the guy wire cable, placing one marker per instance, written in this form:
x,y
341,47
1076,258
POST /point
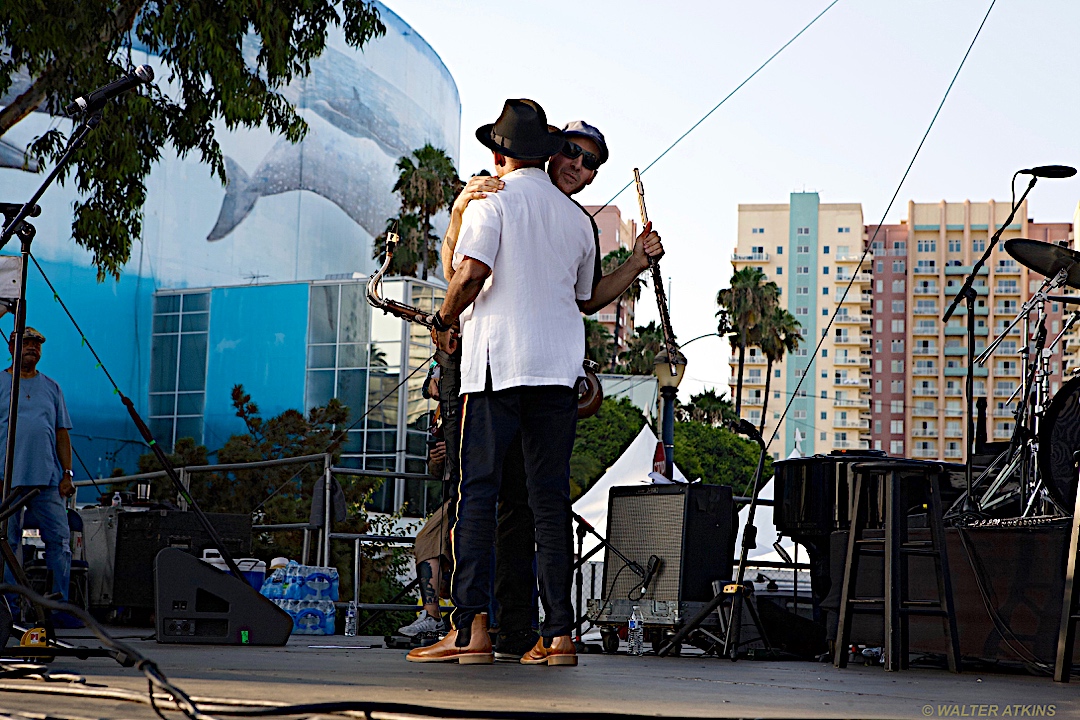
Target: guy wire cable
x,y
877,229
717,106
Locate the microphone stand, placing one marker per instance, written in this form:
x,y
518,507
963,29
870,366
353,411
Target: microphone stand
x,y
968,294
26,235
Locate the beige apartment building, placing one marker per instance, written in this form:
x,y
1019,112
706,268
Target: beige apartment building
x,y
618,316
811,250
890,374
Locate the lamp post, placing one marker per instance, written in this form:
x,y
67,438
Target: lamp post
x,y
669,388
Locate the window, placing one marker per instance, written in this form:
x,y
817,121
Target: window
x,y
877,426
897,346
825,249
926,246
881,266
802,311
843,230
898,326
979,245
896,407
877,325
897,286
825,312
877,365
877,386
824,291
897,366
802,231
802,290
898,306
779,271
954,246
802,270
779,249
898,266
757,231
799,414
824,436
776,373
178,367
802,248
896,386
896,447
824,269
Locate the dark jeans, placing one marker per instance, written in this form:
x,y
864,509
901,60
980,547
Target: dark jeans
x,y
546,418
515,548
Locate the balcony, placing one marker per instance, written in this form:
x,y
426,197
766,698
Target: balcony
x,y
851,424
962,371
854,297
850,445
852,382
925,309
853,318
749,360
934,290
1001,329
1007,290
1007,269
753,402
924,370
851,340
954,392
952,351
753,379
1006,372
924,432
1006,310
1004,412
1003,392
932,350
924,391
925,452
924,411
851,403
858,360
752,257
854,257
954,412
952,454
964,270
1002,434
954,432
860,277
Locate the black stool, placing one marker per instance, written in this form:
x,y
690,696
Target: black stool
x,y
896,547
1069,611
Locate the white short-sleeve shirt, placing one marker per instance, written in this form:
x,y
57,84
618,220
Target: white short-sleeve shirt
x,y
525,321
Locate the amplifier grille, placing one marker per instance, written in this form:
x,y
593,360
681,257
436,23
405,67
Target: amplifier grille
x,y
640,526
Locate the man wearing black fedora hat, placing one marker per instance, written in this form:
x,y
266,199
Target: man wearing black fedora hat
x,y
571,169
524,259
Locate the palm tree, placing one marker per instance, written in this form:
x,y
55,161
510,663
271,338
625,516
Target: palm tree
x,y
598,341
407,256
641,348
748,299
777,334
427,183
709,408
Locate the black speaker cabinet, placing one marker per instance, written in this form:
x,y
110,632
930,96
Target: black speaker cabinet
x,y
198,604
141,535
689,527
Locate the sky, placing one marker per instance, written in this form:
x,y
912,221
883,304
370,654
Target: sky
x,y
841,111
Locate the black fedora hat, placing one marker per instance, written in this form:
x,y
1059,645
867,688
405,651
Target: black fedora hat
x,y
521,132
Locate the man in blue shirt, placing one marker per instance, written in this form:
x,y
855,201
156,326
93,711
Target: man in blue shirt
x,y
42,458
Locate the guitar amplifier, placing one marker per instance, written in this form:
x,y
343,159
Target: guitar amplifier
x,y
141,535
689,527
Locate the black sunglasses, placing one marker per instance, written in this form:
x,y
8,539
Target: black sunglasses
x,y
573,150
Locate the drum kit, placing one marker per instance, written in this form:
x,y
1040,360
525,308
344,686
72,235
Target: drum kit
x,y
1037,474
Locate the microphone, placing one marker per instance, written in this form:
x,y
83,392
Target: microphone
x,y
655,563
1050,171
96,100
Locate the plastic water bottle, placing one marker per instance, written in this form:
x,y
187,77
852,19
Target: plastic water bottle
x,y
636,632
116,501
350,620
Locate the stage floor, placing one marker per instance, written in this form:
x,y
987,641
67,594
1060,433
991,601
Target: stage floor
x,y
665,687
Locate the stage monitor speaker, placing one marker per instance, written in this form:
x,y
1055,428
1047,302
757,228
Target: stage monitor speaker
x,y
198,604
689,527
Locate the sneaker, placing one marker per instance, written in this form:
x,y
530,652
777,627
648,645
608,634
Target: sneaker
x,y
512,645
424,623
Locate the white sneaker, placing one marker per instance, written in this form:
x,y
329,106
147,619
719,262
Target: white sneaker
x,y
424,623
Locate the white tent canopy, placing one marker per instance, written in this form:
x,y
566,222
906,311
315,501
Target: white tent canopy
x,y
632,468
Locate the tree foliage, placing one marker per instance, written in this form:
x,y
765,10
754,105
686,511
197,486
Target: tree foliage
x,y
598,342
641,348
707,407
717,456
427,184
228,59
743,305
600,440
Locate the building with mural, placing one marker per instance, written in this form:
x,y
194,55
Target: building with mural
x,y
259,282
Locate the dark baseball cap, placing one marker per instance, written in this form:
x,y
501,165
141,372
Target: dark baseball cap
x,y
30,334
580,128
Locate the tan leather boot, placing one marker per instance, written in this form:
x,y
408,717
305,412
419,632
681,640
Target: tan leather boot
x,y
476,652
561,652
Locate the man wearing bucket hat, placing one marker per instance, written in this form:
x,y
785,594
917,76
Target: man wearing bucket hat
x,y
42,457
524,259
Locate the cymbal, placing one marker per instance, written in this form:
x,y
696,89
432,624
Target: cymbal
x,y
1046,258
